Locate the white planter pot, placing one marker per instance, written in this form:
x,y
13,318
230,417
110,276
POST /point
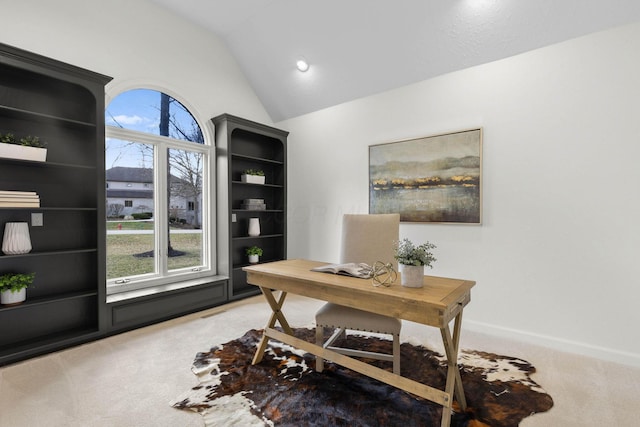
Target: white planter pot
x,y
411,276
252,179
11,298
253,259
14,151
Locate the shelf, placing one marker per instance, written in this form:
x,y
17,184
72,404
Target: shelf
x,y
253,211
246,264
262,236
257,185
27,348
257,159
42,208
31,163
26,114
48,253
30,302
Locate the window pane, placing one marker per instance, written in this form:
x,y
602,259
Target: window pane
x,y
155,215
153,112
130,206
185,209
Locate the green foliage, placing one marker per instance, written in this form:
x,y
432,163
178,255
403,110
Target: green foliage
x,y
27,141
409,254
254,250
32,141
256,172
14,282
142,215
7,138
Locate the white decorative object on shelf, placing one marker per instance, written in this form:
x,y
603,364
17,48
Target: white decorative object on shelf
x,y
14,151
252,179
16,238
254,227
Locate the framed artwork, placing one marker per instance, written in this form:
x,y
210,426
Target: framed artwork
x,y
434,179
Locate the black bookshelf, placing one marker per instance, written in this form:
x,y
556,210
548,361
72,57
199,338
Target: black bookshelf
x,y
243,144
64,106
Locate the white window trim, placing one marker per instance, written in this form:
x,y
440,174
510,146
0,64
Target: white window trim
x,y
165,277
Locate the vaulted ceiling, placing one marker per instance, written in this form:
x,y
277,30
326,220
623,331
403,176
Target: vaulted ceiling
x,y
357,48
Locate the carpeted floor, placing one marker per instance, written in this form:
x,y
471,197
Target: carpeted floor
x,y
129,379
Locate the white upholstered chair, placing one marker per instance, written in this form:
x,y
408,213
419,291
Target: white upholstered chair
x,y
365,238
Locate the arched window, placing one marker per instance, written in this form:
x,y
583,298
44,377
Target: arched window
x,y
158,216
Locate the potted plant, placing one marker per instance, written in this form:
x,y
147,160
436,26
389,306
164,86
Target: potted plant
x,y
412,260
254,254
27,148
253,176
13,287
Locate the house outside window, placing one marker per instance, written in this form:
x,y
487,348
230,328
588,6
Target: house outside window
x,y
157,164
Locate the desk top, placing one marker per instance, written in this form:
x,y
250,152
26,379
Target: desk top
x,y
435,304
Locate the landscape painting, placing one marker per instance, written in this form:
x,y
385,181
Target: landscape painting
x,y
431,179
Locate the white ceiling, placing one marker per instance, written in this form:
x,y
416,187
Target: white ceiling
x,y
361,47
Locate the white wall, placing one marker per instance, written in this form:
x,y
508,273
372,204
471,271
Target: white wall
x,y
137,43
556,258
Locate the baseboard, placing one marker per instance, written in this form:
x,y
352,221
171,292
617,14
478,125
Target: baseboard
x,y
598,352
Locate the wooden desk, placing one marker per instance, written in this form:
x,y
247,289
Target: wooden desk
x,y
436,304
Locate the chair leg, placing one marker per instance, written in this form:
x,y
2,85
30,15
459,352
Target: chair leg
x,y
396,354
320,342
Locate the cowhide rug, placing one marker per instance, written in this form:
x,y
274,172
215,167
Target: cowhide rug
x,y
285,390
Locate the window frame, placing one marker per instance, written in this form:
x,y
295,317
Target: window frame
x,y
162,276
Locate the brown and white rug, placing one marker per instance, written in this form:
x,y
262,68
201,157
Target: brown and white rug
x,y
284,389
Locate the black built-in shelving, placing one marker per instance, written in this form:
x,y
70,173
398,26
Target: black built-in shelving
x,y
64,106
243,144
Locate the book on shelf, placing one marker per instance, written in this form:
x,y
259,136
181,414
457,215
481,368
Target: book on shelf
x,y
254,204
19,199
27,204
11,193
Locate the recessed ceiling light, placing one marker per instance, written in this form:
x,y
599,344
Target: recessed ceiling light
x,y
302,65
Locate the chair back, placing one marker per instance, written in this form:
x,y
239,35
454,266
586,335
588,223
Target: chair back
x,y
369,238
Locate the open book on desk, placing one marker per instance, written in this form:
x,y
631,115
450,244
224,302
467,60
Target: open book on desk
x,y
354,269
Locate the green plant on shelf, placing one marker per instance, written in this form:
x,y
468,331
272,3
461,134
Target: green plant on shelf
x,y
256,172
8,138
15,282
254,250
32,141
27,141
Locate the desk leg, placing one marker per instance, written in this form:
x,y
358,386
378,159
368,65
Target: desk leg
x,y
454,381
276,315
